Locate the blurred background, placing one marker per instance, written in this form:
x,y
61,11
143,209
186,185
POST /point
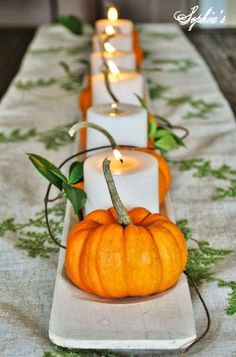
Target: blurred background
x,y
34,12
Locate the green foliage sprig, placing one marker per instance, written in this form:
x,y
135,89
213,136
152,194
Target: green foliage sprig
x,y
169,64
202,108
66,185
156,90
201,261
203,168
32,235
52,139
166,36
63,352
69,50
71,82
38,83
16,135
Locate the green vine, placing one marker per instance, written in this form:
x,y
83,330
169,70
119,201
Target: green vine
x,y
202,259
32,235
203,168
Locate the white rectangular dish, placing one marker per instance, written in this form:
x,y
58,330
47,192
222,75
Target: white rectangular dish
x,y
80,320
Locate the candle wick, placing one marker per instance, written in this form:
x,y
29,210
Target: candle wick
x,y
122,161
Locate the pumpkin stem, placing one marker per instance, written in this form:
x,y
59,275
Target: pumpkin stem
x,y
83,125
123,216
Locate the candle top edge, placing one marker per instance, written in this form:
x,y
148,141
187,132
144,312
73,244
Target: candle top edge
x,y
116,35
122,75
115,53
105,20
137,161
124,109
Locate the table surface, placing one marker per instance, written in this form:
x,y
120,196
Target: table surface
x,y
35,115
217,46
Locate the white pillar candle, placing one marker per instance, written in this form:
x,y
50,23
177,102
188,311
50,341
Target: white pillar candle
x,y
126,123
136,180
124,60
123,84
119,41
121,25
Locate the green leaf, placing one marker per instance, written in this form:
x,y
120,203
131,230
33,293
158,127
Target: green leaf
x,y
152,127
160,133
72,23
76,196
48,170
76,172
166,143
178,140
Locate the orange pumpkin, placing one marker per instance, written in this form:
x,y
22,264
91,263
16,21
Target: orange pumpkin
x,y
163,172
139,55
79,185
108,260
85,101
143,254
151,139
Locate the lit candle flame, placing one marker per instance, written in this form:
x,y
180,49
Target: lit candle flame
x,y
118,156
112,13
113,67
109,30
114,106
114,110
109,48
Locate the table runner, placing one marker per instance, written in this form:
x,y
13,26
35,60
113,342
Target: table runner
x,y
35,114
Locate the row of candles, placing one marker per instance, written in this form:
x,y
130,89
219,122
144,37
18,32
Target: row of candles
x,y
136,175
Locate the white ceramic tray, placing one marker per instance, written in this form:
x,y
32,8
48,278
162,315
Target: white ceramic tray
x,y
80,320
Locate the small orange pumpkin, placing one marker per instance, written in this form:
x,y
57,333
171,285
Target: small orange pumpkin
x,y
141,255
137,49
79,185
85,101
151,139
